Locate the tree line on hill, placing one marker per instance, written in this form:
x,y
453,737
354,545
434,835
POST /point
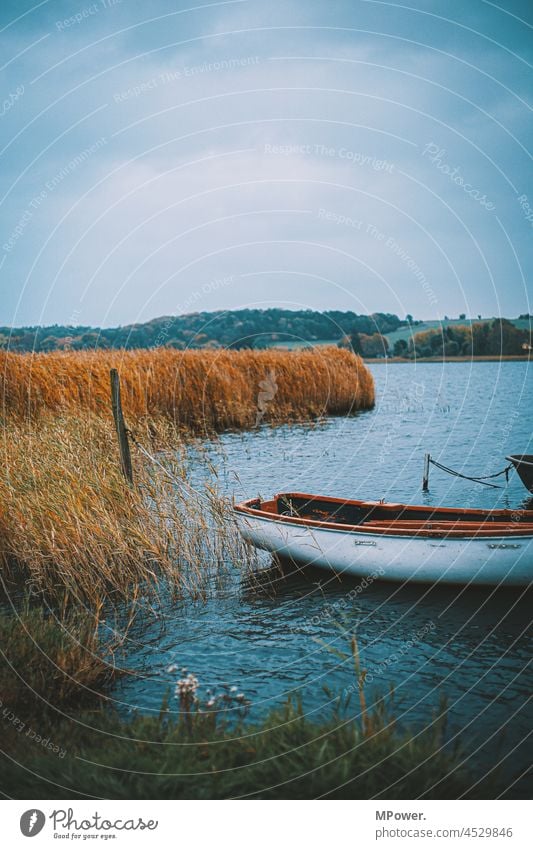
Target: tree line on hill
x,y
499,337
250,328
255,328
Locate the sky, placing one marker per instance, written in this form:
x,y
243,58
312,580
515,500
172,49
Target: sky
x,y
171,157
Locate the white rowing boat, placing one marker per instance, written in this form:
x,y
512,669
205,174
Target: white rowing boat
x,y
395,542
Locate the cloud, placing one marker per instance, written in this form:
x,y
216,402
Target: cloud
x,y
207,143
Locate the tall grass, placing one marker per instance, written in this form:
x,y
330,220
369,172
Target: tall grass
x,y
70,524
51,658
197,390
287,756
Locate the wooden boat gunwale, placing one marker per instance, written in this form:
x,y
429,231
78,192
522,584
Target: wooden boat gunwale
x,y
514,524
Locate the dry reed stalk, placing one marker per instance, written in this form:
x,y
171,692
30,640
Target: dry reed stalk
x,y
201,391
69,524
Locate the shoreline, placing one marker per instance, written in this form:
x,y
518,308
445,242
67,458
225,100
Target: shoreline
x,y
488,359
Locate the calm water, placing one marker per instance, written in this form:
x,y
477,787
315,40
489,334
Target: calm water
x,y
472,647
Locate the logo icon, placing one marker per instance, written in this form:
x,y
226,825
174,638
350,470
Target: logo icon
x,y
32,822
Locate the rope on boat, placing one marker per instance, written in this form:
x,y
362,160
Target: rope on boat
x,y
481,480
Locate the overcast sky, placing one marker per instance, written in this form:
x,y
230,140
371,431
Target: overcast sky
x,y
170,157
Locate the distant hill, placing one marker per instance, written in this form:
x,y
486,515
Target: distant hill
x,y
251,328
372,335
492,337
405,332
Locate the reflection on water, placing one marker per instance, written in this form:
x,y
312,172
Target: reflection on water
x,y
270,635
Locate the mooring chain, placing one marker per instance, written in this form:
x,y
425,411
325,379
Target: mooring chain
x,y
481,480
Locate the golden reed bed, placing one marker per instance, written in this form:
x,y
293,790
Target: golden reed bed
x,y
70,525
197,390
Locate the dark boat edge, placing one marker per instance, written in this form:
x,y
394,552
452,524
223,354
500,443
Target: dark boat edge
x,y
523,464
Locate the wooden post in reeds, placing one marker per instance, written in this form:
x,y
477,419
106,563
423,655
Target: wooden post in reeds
x,y
425,482
122,433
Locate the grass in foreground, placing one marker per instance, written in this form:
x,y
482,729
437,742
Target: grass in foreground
x,y
61,739
285,757
50,658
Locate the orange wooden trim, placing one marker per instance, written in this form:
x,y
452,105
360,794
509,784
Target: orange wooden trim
x,y
462,511
394,527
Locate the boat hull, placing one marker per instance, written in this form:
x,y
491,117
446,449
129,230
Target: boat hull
x,y
523,464
477,561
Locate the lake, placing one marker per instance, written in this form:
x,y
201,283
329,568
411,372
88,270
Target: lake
x,y
270,639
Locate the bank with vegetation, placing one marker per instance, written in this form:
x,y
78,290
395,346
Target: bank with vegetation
x,y
68,522
85,558
62,739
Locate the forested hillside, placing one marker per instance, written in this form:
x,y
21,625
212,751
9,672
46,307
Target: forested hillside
x,y
251,328
376,335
